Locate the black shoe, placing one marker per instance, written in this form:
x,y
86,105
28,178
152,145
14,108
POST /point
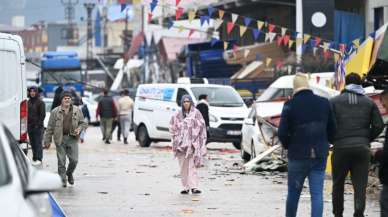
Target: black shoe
x,y
125,141
70,179
107,142
185,192
103,138
118,139
64,184
195,191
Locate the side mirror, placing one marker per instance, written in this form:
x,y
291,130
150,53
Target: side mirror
x,y
42,181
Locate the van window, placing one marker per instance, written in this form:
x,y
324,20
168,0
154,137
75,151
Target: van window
x,y
181,92
8,67
219,96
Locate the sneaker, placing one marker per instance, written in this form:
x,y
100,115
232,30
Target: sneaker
x,y
36,163
195,191
185,192
64,183
107,142
125,141
70,179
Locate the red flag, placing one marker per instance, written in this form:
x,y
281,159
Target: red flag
x,y
271,27
177,2
122,1
230,26
178,13
149,17
191,32
286,39
279,40
317,41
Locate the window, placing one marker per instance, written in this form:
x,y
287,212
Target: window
x,y
181,92
219,96
379,17
5,177
20,158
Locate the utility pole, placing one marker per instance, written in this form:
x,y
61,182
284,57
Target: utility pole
x,y
89,42
70,33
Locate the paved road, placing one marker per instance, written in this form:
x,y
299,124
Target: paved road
x,y
126,180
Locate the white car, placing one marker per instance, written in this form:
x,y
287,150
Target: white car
x,y
23,189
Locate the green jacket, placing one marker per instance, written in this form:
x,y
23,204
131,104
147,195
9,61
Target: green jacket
x,y
55,124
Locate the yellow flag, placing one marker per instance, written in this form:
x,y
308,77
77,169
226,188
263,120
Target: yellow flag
x,y
260,24
225,45
290,43
180,28
221,14
136,2
357,43
191,15
299,42
306,37
243,29
268,61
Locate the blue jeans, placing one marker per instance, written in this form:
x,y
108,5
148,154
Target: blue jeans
x,y
298,170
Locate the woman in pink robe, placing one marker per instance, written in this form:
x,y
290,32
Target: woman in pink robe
x,y
188,135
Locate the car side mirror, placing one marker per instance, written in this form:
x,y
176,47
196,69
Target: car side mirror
x,y
42,181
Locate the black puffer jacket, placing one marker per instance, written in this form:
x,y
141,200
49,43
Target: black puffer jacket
x,y
358,120
36,113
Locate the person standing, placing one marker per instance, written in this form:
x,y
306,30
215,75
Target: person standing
x,y
36,115
306,126
65,125
359,122
203,107
106,109
188,135
57,97
125,105
381,156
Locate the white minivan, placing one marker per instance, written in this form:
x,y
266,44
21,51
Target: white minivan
x,y
13,89
155,104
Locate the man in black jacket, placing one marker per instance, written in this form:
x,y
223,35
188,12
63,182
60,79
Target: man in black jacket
x,y
36,115
203,107
108,112
358,123
382,157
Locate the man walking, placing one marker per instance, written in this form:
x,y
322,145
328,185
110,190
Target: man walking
x,y
359,122
203,107
107,111
65,125
36,115
306,127
125,114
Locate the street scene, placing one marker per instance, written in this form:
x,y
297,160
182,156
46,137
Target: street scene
x,y
193,108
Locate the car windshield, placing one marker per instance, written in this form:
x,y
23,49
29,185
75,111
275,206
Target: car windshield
x,y
219,96
4,173
272,93
61,77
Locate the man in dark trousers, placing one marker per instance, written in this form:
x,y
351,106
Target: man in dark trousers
x,y
36,115
203,107
306,126
382,157
107,111
358,123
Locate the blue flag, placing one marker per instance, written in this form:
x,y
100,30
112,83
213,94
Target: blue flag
x,y
170,23
247,21
256,33
213,42
210,10
153,5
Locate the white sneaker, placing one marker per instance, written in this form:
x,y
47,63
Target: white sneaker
x,y
36,163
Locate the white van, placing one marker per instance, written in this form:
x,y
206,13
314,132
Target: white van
x,y
155,104
13,89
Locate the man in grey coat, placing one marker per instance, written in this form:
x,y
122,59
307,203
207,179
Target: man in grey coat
x,y
358,123
65,125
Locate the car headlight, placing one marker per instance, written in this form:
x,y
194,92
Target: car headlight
x,y
212,118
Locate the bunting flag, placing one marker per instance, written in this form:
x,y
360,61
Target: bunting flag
x,y
256,33
356,43
286,39
234,18
204,19
247,21
177,2
217,23
135,2
306,37
191,15
211,10
290,43
372,35
153,5
191,32
317,41
268,61
230,26
270,36
271,27
178,13
180,28
123,6
246,53
284,30
279,40
170,23
225,45
221,14
149,17
213,42
294,35
260,24
243,29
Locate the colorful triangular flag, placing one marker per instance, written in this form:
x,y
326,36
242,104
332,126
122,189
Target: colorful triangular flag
x,y
286,39
356,43
177,2
229,28
178,13
213,42
306,37
372,35
247,21
290,43
279,40
270,36
221,14
268,61
246,53
203,19
271,27
149,17
260,24
153,5
298,42
170,23
317,41
283,30
217,23
191,15
234,18
211,10
243,29
191,32
225,45
180,28
256,33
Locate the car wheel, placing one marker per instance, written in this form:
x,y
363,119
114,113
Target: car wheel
x,y
143,138
253,151
244,155
237,145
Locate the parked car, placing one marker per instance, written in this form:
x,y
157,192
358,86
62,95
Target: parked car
x,y
23,188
